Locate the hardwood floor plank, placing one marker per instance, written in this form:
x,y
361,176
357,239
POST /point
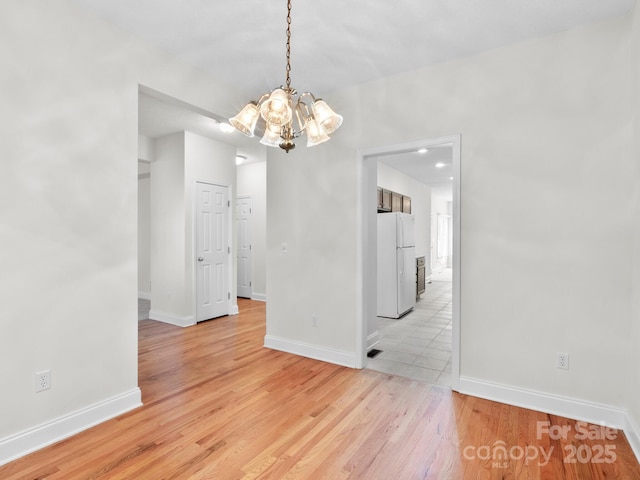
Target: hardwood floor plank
x,y
218,405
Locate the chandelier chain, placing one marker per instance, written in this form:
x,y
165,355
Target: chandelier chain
x,y
288,44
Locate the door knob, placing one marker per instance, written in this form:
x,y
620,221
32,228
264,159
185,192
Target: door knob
x,y
200,259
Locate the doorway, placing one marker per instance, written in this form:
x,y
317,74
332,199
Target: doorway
x,y
448,251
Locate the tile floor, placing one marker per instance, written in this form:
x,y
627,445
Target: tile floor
x,y
418,345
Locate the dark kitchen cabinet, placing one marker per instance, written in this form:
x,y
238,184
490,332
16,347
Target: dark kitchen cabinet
x,y
384,200
420,276
396,202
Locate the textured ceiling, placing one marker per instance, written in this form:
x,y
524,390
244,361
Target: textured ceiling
x,y
338,43
335,43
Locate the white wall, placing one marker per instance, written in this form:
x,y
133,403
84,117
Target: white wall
x,y
171,295
252,180
208,161
146,148
144,230
68,212
547,174
439,206
311,207
634,347
181,159
392,179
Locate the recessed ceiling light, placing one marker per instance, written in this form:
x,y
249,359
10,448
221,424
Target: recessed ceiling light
x,y
423,150
240,159
225,127
450,178
440,165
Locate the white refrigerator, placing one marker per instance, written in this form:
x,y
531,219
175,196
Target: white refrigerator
x,y
396,264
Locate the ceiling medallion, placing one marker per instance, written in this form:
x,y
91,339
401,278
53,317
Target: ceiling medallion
x,y
283,121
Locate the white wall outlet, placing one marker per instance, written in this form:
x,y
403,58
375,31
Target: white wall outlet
x,y
563,361
315,321
43,380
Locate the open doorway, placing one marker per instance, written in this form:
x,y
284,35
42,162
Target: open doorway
x,y
422,343
166,127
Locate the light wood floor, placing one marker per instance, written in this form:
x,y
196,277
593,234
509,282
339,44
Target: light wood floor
x,y
219,406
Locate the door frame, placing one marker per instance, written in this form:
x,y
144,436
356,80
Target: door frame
x,y
367,229
232,305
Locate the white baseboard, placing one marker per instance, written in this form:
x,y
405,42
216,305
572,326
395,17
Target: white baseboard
x,y
373,339
260,297
172,319
234,310
23,443
144,295
632,432
544,402
316,352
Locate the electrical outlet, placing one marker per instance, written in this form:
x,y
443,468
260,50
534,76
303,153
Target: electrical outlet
x,y
43,380
563,361
315,321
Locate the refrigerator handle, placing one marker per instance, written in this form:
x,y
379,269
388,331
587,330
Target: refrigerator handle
x,y
402,260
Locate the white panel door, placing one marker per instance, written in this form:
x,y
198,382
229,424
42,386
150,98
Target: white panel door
x,y
212,251
243,220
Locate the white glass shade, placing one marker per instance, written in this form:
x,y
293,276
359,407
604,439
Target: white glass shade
x,y
315,134
325,116
276,109
271,137
245,121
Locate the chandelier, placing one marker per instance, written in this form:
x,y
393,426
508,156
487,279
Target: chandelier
x,y
283,121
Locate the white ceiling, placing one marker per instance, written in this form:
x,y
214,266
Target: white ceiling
x,y
159,115
335,43
433,168
338,43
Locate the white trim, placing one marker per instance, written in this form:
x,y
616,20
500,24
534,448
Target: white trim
x,y
28,441
632,432
172,319
373,339
234,310
144,295
346,359
545,402
260,297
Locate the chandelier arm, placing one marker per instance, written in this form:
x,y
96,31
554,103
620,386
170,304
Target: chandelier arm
x,y
302,122
262,99
313,98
